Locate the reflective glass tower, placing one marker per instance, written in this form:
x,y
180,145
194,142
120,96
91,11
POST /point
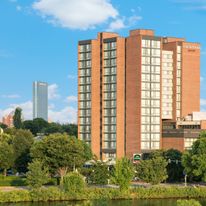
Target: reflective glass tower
x,y
40,100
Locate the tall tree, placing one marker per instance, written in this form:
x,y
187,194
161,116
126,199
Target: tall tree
x,y
194,160
123,173
18,118
152,170
6,156
60,153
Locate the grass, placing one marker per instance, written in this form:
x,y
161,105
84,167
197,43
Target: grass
x,y
12,181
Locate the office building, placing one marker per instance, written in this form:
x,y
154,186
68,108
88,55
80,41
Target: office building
x,y
9,119
128,87
40,100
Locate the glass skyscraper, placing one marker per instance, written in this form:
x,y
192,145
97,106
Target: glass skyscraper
x,y
40,100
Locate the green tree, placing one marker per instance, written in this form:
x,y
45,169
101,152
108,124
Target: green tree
x,y
123,173
174,168
60,153
3,126
36,126
53,128
194,160
18,118
22,142
152,170
6,156
100,173
37,175
73,183
70,129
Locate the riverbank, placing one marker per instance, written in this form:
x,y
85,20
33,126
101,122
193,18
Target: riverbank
x,y
56,194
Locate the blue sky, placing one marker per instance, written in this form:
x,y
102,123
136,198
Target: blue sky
x,y
38,41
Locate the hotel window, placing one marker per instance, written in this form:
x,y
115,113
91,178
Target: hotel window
x,y
145,111
145,145
113,45
145,119
145,52
145,102
155,69
145,43
145,128
156,52
145,69
155,120
145,94
113,53
145,60
156,61
145,137
88,47
178,57
155,145
155,137
145,77
155,44
113,62
155,103
145,86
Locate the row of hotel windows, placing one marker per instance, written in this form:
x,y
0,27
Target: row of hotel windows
x,y
85,112
148,119
151,94
150,111
85,128
110,54
109,87
152,86
86,104
150,145
148,102
110,103
150,43
110,62
152,52
109,95
110,70
153,77
110,46
110,112
150,69
85,48
111,120
153,60
86,96
109,145
111,136
83,64
109,128
85,88
86,120
150,136
85,80
85,56
85,72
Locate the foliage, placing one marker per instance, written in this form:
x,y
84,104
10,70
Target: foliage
x,y
6,156
3,126
18,118
60,153
194,160
188,203
153,170
54,194
36,126
73,183
37,174
174,168
100,173
123,173
12,181
39,125
22,142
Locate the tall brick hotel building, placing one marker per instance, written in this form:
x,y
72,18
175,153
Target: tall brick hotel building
x,y
138,94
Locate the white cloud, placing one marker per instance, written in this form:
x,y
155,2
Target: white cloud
x,y
26,110
11,96
53,91
66,115
116,25
73,14
70,99
121,23
203,102
202,79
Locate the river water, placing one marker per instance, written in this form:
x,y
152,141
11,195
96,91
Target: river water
x,y
169,202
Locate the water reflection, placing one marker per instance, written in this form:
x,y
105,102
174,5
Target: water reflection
x,y
106,203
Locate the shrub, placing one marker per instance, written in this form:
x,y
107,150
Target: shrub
x,y
188,203
37,175
73,182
